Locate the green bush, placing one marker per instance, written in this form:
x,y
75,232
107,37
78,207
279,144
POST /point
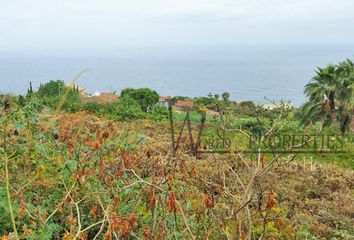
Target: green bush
x,y
251,124
145,97
52,92
158,113
51,89
96,108
209,102
125,109
246,108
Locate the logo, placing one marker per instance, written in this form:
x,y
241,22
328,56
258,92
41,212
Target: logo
x,y
204,138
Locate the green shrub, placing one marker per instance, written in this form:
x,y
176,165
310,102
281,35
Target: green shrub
x,y
209,102
125,109
158,113
52,92
96,108
51,89
145,97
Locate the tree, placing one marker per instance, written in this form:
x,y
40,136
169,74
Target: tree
x,y
208,102
53,91
21,100
330,95
321,91
126,108
225,96
145,97
53,88
246,108
345,93
30,90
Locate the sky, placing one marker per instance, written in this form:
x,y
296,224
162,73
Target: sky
x,y
44,24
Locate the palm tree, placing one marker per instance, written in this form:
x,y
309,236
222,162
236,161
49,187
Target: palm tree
x,y
331,95
225,96
345,93
321,92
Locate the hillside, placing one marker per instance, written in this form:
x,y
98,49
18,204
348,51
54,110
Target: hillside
x,y
78,176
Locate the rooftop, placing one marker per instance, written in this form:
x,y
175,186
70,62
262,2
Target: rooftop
x,y
182,103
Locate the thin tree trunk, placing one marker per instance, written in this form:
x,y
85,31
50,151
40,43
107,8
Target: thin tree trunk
x,y
333,109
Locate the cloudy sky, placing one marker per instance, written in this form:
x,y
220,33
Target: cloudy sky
x,y
33,24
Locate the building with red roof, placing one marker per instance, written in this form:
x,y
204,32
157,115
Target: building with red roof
x,y
183,105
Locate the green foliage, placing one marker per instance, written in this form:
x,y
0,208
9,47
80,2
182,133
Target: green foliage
x,y
305,234
193,116
145,97
158,113
225,96
72,102
212,102
96,108
126,109
246,108
252,124
61,170
4,209
30,90
343,234
330,96
51,89
52,92
21,100
209,102
182,98
99,166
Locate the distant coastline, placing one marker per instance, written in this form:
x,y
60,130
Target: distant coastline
x,y
247,74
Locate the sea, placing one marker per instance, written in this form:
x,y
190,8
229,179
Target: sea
x,y
256,73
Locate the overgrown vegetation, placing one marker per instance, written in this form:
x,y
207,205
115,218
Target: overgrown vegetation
x,y
108,171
